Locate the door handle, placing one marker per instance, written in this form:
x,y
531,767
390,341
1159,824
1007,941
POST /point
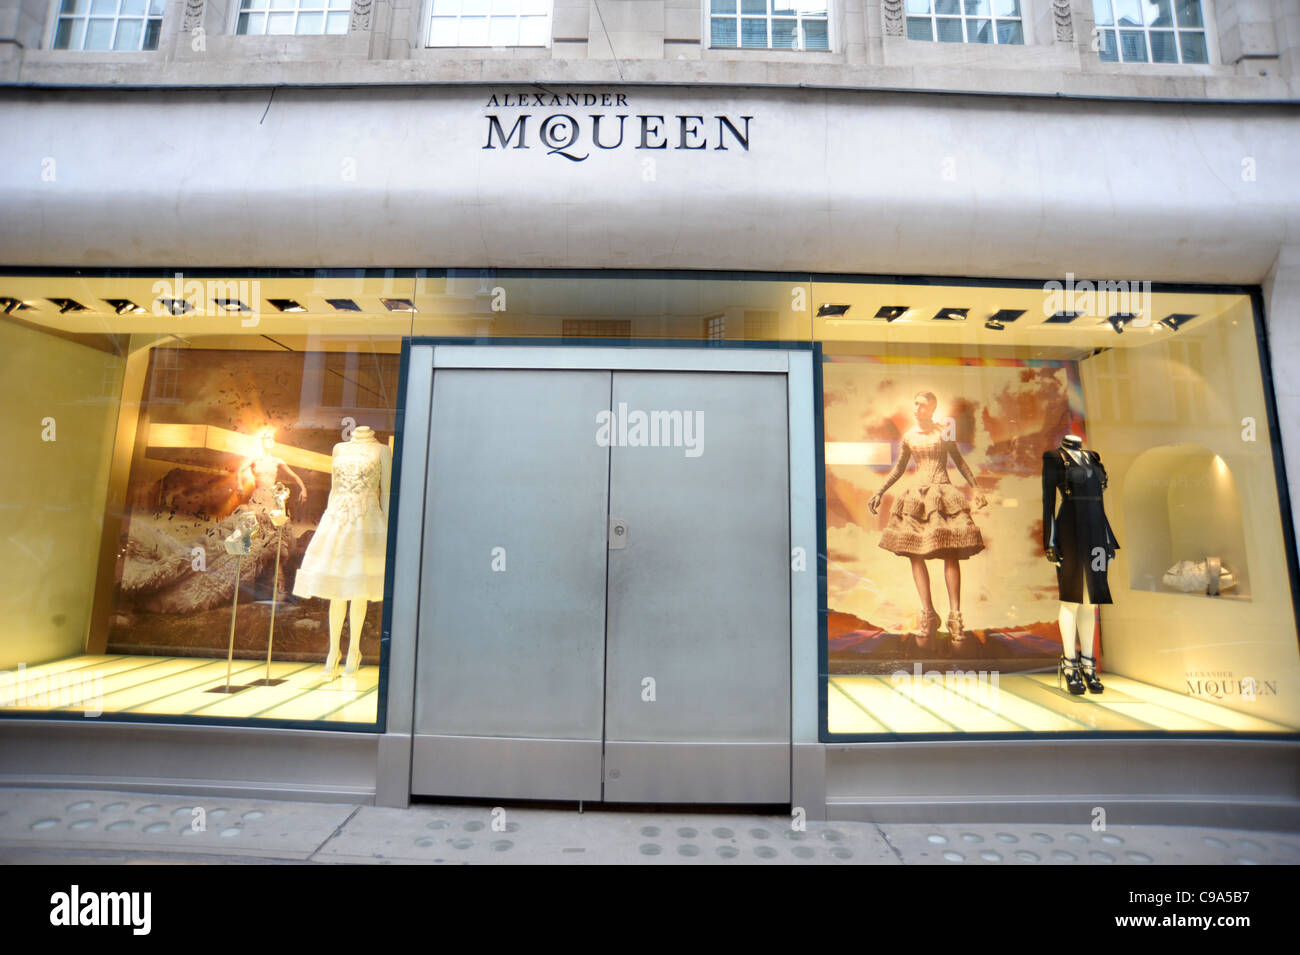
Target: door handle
x,y
617,534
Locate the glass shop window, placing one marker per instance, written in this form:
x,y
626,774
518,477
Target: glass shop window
x,y
200,507
1051,510
125,25
490,23
1150,31
965,21
287,17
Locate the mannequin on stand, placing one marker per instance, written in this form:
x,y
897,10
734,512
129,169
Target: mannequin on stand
x,y
1078,539
344,562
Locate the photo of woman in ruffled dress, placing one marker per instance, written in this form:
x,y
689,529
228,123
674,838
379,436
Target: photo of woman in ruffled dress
x,y
932,520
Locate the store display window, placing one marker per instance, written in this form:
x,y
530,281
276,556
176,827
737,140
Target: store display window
x,y
1052,509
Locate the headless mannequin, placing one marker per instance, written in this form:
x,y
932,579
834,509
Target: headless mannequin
x,y
354,610
1078,618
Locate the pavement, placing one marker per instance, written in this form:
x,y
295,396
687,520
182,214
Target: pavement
x,y
82,827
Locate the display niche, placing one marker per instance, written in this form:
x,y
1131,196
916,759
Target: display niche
x,y
1183,516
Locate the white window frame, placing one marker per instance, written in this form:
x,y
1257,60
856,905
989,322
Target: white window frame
x,y
1026,9
426,29
56,7
832,20
296,10
1208,27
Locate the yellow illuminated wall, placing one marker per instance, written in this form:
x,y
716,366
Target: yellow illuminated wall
x,y
52,492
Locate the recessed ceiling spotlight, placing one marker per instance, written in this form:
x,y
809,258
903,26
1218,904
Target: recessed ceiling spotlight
x,y
343,305
1120,319
287,305
124,306
1062,318
951,314
1175,321
68,305
994,325
832,311
891,313
177,306
399,304
231,305
11,305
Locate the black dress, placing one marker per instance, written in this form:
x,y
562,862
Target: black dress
x,y
1079,531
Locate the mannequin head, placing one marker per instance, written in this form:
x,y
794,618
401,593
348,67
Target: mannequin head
x,y
923,405
1072,441
267,437
363,433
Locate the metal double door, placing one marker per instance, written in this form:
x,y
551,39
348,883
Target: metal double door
x,y
605,587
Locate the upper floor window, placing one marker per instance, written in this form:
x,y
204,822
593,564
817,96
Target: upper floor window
x,y
284,17
770,24
108,25
965,21
490,23
1151,31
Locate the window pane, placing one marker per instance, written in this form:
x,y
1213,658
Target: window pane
x,y
257,4
949,30
1101,13
241,28
946,6
103,6
979,31
443,32
753,6
1129,12
279,24
473,31
446,7
474,6
151,30
918,29
128,34
505,6
283,5
337,23
1133,46
63,36
156,7
1158,13
918,6
812,7
815,35
783,34
99,35
132,8
503,31
1010,31
1163,49
977,8
534,7
724,6
723,31
753,32
310,23
783,8
74,6
1108,52
1193,47
340,4
532,31
1189,13
1006,8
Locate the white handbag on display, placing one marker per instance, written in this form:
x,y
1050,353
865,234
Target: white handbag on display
x,y
1207,576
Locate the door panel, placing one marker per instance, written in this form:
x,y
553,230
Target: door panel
x,y
512,605
698,596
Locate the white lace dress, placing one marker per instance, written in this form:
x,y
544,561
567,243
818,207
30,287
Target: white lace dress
x,y
345,559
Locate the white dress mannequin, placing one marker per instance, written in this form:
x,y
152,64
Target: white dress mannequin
x,y
344,562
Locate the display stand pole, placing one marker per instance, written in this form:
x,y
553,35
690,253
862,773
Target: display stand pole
x,y
230,652
275,599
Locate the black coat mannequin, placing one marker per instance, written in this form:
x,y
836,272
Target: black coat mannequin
x,y
1078,539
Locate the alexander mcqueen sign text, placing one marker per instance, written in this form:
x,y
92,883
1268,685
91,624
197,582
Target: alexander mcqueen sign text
x,y
542,120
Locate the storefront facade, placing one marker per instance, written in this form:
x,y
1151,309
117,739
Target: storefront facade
x,y
663,443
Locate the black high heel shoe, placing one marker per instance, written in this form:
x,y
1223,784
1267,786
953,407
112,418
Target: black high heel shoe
x,y
1088,670
1069,670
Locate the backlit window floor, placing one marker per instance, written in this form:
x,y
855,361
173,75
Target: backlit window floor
x,y
176,686
1022,702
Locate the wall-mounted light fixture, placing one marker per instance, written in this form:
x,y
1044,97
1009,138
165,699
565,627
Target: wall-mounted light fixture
x,y
951,314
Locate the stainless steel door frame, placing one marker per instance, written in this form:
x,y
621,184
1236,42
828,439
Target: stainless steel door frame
x,y
808,783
